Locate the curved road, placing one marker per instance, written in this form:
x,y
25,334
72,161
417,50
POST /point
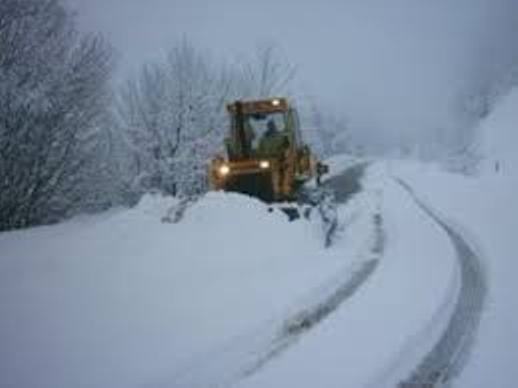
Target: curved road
x,y
443,362
447,357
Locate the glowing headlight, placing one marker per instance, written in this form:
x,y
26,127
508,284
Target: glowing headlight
x,y
224,170
264,164
276,102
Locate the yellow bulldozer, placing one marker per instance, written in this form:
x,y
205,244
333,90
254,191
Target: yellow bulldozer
x,y
265,154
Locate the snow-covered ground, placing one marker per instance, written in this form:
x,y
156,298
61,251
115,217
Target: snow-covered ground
x,y
374,339
485,209
235,295
225,296
122,299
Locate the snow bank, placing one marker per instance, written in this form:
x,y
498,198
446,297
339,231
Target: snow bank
x,y
122,299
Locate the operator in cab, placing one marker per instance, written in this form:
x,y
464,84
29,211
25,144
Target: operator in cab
x,y
274,142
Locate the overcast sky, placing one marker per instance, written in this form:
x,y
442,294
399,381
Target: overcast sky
x,y
397,64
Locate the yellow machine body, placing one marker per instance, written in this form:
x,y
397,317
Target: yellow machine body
x,y
265,155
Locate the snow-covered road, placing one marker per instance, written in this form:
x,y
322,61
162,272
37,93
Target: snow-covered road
x,y
446,359
399,316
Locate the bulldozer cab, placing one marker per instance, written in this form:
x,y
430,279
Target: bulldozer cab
x,y
262,129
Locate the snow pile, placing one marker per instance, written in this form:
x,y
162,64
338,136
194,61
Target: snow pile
x,y
155,205
231,210
122,299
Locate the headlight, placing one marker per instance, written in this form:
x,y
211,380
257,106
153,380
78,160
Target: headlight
x,y
224,170
276,102
264,164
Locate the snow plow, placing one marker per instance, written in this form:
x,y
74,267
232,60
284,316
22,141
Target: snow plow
x,y
265,154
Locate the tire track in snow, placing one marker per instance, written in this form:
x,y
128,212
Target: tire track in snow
x,y
296,326
248,353
448,356
344,186
339,291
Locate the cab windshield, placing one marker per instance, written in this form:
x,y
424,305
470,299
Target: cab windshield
x,y
262,125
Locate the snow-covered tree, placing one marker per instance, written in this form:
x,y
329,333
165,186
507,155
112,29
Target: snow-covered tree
x,y
173,118
53,98
462,147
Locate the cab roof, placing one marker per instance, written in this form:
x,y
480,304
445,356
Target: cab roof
x,y
269,105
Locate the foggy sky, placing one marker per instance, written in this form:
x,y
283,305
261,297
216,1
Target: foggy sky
x,y
395,65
